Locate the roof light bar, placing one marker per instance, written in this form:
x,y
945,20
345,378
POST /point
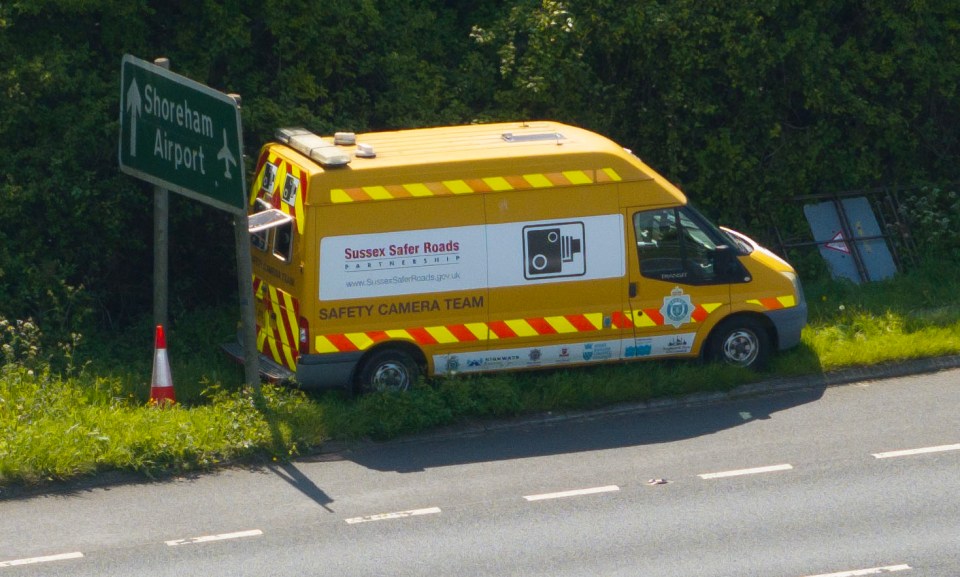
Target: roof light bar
x,y
344,138
314,147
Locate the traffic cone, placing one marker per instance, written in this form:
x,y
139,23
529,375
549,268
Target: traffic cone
x,y
161,384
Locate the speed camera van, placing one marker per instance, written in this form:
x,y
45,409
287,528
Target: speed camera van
x,y
379,258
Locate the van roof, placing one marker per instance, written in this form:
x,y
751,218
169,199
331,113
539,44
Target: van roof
x,y
530,140
483,141
467,158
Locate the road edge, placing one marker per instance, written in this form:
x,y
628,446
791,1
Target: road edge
x,y
776,385
329,450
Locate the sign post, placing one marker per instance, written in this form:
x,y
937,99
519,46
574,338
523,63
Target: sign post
x,y
186,137
161,243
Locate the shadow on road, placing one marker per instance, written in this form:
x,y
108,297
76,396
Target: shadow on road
x,y
292,475
598,431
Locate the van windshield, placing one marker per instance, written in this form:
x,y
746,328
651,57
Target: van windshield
x,y
720,236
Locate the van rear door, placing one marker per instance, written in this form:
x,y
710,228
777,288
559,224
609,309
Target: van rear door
x,y
276,227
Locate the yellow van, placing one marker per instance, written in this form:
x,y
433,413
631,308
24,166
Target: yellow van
x,y
382,257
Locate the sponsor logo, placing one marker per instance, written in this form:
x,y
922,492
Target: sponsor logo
x,y
678,344
535,355
453,364
638,350
502,359
597,352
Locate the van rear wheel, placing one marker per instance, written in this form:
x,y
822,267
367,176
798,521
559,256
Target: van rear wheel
x,y
742,342
388,370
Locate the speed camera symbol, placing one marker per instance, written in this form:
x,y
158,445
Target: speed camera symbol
x,y
554,250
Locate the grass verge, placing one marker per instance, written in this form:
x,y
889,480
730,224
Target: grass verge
x,y
89,416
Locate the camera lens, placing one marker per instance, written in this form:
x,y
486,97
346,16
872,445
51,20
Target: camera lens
x,y
539,262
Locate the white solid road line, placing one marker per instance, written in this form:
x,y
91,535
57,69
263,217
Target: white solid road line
x,y
575,493
860,572
48,558
908,452
754,471
221,537
397,515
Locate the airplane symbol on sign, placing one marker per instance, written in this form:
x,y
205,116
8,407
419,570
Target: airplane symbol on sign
x,y
226,156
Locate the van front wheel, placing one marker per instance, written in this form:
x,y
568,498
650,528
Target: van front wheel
x,y
743,342
388,370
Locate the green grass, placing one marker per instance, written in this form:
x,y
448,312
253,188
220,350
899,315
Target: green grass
x,y
92,415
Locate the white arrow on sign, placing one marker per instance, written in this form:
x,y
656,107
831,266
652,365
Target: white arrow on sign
x,y
226,156
133,105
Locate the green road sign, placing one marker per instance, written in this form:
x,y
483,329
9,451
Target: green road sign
x,y
181,135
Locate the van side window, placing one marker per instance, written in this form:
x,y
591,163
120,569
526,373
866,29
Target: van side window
x,y
283,241
672,245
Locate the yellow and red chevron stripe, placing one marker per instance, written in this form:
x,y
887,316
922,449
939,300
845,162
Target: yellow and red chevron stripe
x,y
775,303
274,194
504,329
278,329
516,328
643,318
474,185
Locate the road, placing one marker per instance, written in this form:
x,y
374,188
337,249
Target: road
x,y
860,479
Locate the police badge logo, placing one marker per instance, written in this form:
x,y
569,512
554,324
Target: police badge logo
x,y
677,308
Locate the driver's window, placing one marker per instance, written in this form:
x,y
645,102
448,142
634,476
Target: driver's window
x,y
671,246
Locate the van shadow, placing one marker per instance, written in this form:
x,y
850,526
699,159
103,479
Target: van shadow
x,y
597,431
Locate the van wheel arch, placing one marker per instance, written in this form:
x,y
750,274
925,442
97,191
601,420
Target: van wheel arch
x,y
745,340
394,366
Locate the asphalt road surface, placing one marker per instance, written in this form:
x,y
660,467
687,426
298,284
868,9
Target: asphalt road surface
x,y
861,479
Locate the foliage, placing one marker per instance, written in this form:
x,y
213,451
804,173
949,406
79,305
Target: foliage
x,y
57,427
934,217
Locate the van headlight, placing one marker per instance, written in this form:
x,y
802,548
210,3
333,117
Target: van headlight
x,y
794,279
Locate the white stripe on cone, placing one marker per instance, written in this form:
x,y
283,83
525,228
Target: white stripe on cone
x,y
161,383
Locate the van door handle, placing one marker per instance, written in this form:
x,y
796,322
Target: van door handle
x,y
633,290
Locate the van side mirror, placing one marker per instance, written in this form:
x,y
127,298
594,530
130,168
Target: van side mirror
x,y
728,266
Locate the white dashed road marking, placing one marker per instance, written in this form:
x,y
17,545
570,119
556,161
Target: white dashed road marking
x,y
860,572
48,558
221,537
922,451
754,471
575,493
397,515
